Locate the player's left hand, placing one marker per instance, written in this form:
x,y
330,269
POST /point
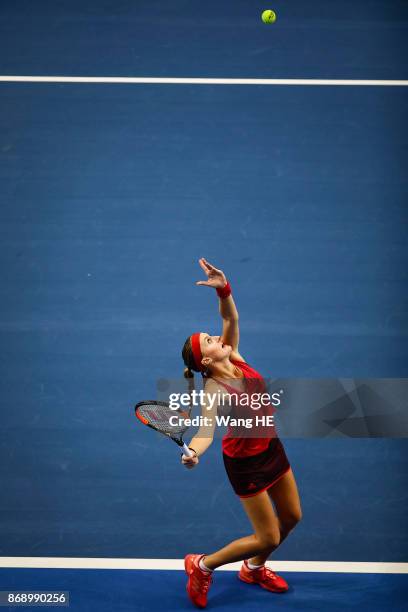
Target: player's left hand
x,y
216,278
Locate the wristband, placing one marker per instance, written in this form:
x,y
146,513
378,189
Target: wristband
x,y
224,292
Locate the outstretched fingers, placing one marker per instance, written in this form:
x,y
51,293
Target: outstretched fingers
x,y
204,266
207,263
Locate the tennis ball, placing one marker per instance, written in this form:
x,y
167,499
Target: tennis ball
x,y
268,16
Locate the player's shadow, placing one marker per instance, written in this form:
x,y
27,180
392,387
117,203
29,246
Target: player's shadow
x,y
229,588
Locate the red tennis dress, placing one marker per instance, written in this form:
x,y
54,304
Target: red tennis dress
x,y
253,464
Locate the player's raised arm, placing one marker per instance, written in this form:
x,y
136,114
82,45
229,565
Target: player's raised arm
x,y
228,311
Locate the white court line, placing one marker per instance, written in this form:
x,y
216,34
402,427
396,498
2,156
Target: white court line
x,y
178,564
197,81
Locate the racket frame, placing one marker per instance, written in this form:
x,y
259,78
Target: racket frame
x,y
179,441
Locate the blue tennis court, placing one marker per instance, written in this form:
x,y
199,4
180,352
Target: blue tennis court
x,y
152,590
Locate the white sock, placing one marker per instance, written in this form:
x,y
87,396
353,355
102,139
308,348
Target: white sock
x,y
253,567
203,567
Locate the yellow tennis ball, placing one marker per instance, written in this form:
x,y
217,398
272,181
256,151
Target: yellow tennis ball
x,y
269,16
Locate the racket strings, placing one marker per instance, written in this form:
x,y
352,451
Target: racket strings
x,y
160,417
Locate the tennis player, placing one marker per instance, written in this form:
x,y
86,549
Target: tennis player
x,y
257,467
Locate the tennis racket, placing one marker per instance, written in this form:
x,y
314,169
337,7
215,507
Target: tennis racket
x,y
157,415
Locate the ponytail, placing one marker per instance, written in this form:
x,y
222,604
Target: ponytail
x,y
188,373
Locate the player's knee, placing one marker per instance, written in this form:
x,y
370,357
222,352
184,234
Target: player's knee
x,y
289,521
269,540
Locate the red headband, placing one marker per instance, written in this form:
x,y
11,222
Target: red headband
x,y
197,354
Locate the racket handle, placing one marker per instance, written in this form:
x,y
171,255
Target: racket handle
x,y
186,451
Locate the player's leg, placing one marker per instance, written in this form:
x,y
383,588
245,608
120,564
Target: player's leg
x,y
265,539
285,497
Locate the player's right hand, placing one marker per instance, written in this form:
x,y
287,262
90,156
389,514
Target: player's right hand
x,y
189,462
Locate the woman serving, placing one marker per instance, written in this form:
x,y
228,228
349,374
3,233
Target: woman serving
x,y
257,467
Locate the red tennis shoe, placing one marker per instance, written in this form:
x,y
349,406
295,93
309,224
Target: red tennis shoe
x,y
198,581
263,576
